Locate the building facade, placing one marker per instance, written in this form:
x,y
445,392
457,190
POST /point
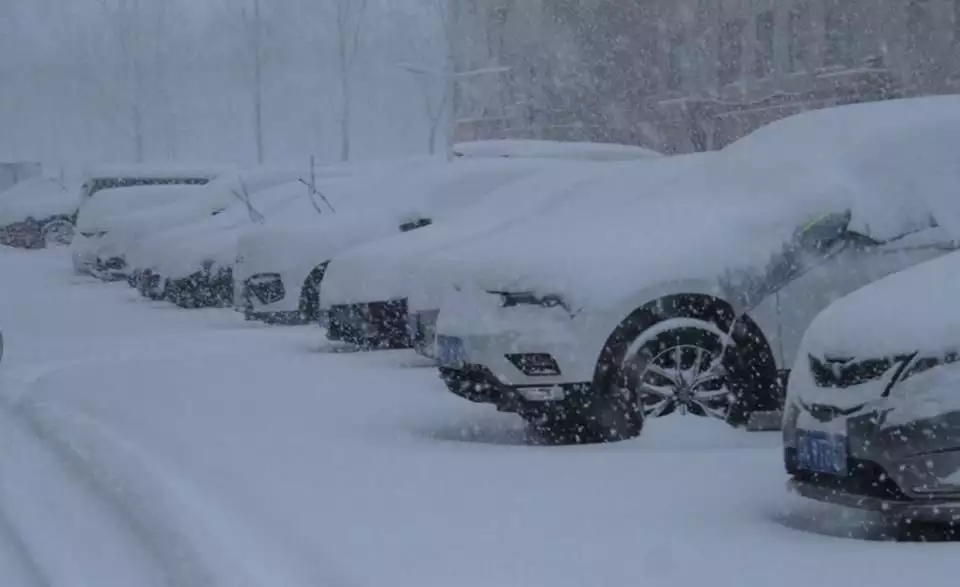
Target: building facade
x,y
688,75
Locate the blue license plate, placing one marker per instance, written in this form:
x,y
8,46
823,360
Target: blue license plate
x,y
450,352
821,452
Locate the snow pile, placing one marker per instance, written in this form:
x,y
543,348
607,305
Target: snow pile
x,y
38,198
529,148
892,163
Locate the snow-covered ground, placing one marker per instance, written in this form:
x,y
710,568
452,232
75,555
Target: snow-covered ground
x,y
144,445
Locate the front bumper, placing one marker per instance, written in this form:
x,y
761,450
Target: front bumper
x,y
479,385
375,325
928,510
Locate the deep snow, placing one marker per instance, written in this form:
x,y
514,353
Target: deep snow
x,y
143,445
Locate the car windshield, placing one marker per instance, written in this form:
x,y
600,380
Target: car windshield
x,y
463,293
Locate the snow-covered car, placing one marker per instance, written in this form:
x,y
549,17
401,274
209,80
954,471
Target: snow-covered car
x,y
192,265
872,417
86,240
364,288
280,264
109,209
540,149
590,320
36,213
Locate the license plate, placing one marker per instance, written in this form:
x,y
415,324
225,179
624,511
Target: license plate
x,y
450,352
821,452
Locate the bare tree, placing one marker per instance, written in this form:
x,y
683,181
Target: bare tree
x,y
349,27
253,27
126,20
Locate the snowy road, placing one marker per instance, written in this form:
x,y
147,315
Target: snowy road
x,y
144,445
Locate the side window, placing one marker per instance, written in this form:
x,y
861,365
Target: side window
x,y
812,243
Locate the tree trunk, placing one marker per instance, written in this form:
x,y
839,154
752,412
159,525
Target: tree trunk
x,y
258,81
345,117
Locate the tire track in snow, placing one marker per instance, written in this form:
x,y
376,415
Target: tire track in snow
x,y
30,572
177,562
193,540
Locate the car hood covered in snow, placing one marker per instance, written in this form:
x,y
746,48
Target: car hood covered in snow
x,y
892,163
399,267
917,309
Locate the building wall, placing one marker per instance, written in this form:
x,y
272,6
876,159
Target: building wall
x,y
683,75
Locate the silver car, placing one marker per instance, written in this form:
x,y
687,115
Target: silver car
x,y
872,419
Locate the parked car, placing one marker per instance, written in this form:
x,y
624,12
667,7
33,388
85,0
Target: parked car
x,y
192,265
36,213
93,250
452,202
590,320
86,258
872,419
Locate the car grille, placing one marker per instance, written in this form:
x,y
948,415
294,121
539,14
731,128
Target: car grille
x,y
268,288
373,325
847,372
111,264
864,478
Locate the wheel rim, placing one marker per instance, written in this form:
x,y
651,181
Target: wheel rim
x,y
58,233
682,379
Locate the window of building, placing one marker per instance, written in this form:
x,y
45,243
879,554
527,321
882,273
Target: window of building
x,y
763,65
731,51
675,61
797,39
839,37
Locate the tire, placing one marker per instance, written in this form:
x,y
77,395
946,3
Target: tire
x,y
713,374
57,233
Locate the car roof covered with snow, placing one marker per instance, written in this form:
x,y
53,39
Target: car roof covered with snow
x,y
531,148
914,310
893,163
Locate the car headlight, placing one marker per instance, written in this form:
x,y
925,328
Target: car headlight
x,y
510,299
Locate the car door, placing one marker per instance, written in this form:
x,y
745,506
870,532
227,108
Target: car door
x,y
853,261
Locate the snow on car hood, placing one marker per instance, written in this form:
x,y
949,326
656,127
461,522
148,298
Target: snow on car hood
x,y
37,198
917,309
388,268
892,163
